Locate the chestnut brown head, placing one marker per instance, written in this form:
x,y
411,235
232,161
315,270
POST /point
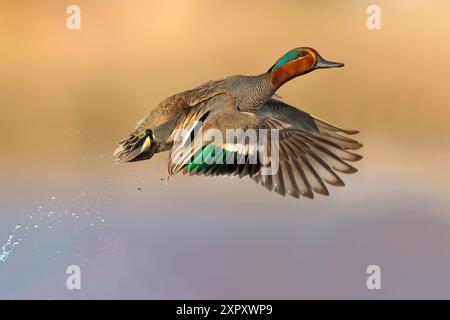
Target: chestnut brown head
x,y
297,62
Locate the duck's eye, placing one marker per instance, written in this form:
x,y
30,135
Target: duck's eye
x,y
149,133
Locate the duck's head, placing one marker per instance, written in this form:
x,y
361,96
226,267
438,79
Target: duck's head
x,y
297,62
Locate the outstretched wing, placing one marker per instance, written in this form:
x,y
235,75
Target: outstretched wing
x,y
310,151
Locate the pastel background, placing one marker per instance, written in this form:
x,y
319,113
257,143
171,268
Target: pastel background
x,y
67,97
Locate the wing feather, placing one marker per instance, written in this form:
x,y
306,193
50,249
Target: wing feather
x,y
311,151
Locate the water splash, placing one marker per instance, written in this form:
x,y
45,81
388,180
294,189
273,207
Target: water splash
x,y
51,216
9,246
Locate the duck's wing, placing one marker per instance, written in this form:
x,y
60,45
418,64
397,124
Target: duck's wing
x,y
190,125
297,118
302,160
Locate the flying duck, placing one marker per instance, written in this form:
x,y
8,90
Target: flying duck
x,y
310,152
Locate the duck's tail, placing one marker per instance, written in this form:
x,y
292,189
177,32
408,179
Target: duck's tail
x,y
134,148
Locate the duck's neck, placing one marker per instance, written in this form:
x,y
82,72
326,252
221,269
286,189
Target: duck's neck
x,y
255,91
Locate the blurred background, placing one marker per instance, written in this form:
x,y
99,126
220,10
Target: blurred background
x,y
68,96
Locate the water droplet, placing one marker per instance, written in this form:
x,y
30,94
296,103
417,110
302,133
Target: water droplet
x,y
8,247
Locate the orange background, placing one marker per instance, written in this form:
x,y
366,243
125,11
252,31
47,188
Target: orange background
x,y
67,98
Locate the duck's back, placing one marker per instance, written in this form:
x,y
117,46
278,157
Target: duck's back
x,y
172,107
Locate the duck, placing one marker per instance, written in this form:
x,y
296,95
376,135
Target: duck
x,y
311,153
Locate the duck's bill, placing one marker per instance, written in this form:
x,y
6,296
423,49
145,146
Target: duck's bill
x,y
322,63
